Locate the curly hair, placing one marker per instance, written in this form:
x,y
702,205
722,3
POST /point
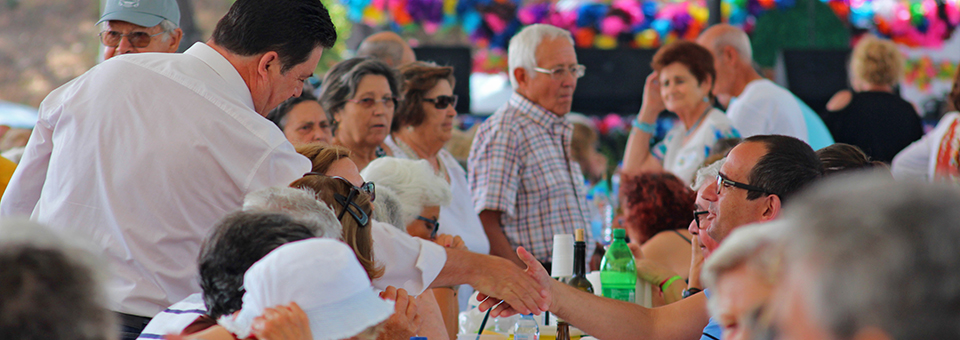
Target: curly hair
x,y
418,79
696,58
656,202
877,61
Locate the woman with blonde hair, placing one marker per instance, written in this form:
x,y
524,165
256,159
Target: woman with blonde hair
x,y
872,116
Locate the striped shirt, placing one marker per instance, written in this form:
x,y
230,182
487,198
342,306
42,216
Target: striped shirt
x,y
520,165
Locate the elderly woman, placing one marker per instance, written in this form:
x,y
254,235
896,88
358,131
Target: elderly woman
x,y
873,117
657,208
421,127
302,120
681,82
936,156
359,96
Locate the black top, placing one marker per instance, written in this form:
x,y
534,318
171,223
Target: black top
x,y
880,123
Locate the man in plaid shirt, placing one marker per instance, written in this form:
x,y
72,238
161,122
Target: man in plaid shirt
x,y
526,187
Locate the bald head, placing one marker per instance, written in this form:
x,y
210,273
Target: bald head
x,y
387,47
720,36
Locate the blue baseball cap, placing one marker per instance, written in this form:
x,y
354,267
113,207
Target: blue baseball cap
x,y
146,13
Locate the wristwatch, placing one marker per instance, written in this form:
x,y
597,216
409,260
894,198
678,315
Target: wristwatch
x,y
690,291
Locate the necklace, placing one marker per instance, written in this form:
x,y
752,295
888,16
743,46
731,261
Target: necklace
x,y
697,123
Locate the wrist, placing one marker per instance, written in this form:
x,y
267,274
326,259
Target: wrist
x,y
665,284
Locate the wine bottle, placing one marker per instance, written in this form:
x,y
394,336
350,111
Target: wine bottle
x,y
579,279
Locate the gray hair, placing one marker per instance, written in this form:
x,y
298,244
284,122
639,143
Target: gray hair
x,y
387,208
881,254
523,47
340,83
301,204
708,173
166,25
755,246
388,51
413,181
737,39
51,289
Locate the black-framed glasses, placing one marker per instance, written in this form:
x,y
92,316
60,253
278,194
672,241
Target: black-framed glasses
x,y
433,224
560,72
367,187
389,102
697,214
442,102
137,39
723,181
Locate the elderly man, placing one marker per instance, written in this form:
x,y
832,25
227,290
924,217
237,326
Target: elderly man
x,y
135,26
869,258
388,47
758,107
525,185
144,153
758,176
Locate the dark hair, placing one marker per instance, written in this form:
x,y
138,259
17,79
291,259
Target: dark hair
x,y
657,202
44,294
279,114
696,58
292,28
788,166
340,83
358,237
841,157
237,242
418,79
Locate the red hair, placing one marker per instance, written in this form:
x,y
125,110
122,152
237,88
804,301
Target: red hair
x,y
656,202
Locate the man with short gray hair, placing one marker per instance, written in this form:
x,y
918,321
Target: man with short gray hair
x,y
387,47
136,26
869,258
526,188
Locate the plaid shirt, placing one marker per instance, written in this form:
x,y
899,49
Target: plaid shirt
x,y
520,165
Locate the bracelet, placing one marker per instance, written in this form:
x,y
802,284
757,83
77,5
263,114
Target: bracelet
x,y
644,127
666,283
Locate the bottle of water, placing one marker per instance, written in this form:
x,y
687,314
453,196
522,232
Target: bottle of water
x,y
526,329
618,270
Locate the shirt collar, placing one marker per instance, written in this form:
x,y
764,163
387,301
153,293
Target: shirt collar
x,y
224,68
537,113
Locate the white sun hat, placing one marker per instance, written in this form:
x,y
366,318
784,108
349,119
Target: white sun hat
x,y
324,278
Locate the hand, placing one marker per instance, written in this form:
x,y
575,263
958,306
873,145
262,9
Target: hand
x,y
282,323
450,241
534,272
405,321
696,262
652,101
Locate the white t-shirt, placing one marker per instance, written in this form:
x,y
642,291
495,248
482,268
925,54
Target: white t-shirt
x,y
919,161
683,160
458,217
143,154
764,108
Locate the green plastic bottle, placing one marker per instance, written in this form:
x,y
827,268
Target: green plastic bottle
x,y
618,270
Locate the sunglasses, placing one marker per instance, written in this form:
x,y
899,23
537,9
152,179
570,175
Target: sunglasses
x,y
367,187
433,224
389,102
441,102
137,39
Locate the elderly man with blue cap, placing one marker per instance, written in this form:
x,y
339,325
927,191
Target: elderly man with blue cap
x,y
136,26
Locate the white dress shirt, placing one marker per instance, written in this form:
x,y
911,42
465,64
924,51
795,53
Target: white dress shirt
x,y
408,262
765,108
143,154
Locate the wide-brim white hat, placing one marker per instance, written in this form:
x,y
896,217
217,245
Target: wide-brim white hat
x,y
324,278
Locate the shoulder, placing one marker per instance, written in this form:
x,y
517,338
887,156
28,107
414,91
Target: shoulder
x,y
840,100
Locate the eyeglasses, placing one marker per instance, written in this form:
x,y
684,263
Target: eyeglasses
x,y
367,187
723,181
433,224
137,39
441,102
389,102
560,72
696,216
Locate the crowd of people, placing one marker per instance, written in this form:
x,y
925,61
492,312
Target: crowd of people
x,y
207,195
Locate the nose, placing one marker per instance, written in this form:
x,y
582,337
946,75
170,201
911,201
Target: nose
x,y
710,192
298,91
125,46
692,228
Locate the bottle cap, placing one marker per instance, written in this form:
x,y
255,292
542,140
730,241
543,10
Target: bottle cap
x,y
619,233
579,235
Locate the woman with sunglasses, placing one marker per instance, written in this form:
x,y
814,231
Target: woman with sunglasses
x,y
359,97
423,124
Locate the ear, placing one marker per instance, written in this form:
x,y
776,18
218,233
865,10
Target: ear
x,y
269,62
175,36
729,55
521,74
707,85
772,208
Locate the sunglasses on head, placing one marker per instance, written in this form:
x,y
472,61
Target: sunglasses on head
x,y
137,39
441,102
